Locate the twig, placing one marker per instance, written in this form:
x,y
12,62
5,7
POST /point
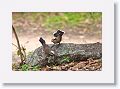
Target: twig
x,y
14,45
18,44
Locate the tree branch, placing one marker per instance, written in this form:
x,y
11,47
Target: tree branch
x,y
18,43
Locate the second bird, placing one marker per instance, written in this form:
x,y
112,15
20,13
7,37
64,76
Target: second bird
x,y
46,49
58,37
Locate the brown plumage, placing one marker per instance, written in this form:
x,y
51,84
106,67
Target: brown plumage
x,y
57,40
46,49
58,37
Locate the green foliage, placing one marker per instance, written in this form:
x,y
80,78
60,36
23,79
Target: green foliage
x,y
35,68
18,52
66,59
69,19
22,53
26,67
61,20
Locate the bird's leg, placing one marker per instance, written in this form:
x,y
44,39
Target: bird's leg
x,y
58,45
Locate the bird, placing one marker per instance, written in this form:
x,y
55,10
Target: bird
x,y
59,32
58,37
46,49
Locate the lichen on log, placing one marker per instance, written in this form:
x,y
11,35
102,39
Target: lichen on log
x,y
66,52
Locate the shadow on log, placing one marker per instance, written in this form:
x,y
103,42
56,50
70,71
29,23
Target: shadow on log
x,y
66,52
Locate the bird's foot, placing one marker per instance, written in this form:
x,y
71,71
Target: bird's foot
x,y
58,45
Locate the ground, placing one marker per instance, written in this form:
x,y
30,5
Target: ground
x,y
89,65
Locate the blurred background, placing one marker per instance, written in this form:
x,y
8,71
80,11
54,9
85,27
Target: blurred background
x,y
79,27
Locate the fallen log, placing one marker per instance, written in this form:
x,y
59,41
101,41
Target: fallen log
x,y
66,52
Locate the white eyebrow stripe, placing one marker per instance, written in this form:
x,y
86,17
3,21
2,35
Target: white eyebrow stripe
x,y
57,30
62,31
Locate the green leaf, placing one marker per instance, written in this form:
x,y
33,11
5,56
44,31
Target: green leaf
x,y
18,52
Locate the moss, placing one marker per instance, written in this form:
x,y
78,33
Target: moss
x,y
65,59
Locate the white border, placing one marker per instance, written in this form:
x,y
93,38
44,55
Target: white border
x,y
104,76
